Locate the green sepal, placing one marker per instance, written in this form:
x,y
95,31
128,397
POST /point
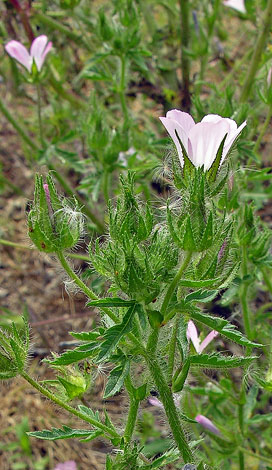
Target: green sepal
x,y
172,230
179,381
188,167
189,239
212,172
207,239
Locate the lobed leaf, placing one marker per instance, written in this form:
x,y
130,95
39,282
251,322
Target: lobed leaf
x,y
115,333
65,433
218,361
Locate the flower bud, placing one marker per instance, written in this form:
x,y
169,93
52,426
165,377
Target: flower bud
x,y
54,224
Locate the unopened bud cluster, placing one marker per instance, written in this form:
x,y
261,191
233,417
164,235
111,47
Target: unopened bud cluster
x,y
54,224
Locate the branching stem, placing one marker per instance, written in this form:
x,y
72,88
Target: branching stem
x,y
44,391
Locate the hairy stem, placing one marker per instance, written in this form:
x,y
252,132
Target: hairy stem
x,y
169,406
123,88
172,349
244,296
44,391
173,285
133,411
260,44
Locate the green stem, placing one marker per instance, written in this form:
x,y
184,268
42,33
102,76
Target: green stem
x,y
237,66
57,26
40,114
87,291
260,44
244,296
263,130
175,281
241,460
44,391
153,341
170,409
267,279
172,349
133,411
256,456
123,88
185,60
106,177
18,127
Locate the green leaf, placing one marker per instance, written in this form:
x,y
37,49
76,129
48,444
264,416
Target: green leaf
x,y
89,412
169,457
201,296
198,283
186,418
218,361
221,325
260,418
111,302
116,379
75,355
85,335
65,433
115,333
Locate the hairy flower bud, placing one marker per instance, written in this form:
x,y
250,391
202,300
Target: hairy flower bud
x,y
54,224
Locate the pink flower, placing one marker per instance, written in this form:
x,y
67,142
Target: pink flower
x,y
201,140
38,51
69,465
192,335
238,5
207,424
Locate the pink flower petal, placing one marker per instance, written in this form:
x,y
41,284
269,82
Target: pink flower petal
x,y
238,5
193,335
207,424
205,138
207,340
231,138
69,465
171,126
185,120
17,51
155,402
39,50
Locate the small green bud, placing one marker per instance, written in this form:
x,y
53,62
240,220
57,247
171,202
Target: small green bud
x,y
75,385
155,318
54,224
13,351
